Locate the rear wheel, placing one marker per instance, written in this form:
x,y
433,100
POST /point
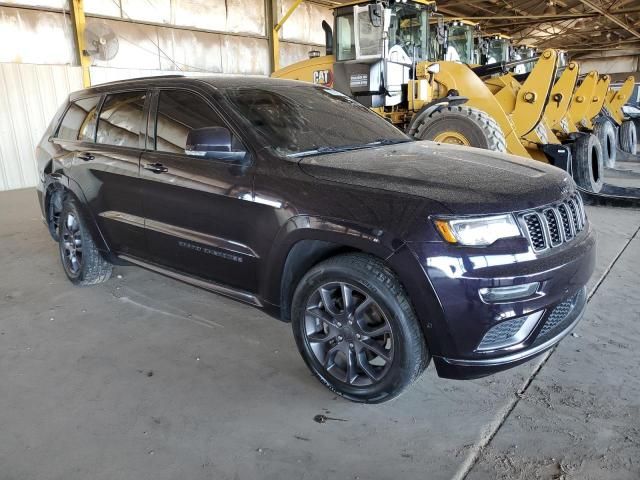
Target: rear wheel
x,y
587,163
628,137
54,210
82,261
460,125
356,330
606,133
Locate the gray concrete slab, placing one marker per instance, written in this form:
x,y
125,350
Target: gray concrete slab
x,y
580,416
145,377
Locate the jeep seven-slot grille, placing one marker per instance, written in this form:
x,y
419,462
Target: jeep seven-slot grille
x,y
552,226
534,225
555,236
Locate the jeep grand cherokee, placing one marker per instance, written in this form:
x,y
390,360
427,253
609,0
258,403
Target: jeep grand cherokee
x,y
382,252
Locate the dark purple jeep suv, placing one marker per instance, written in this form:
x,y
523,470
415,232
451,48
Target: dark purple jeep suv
x,y
382,252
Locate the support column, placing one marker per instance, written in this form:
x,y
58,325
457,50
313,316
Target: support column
x,y
271,15
78,20
274,27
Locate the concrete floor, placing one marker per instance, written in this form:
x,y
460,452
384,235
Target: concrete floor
x,y
147,378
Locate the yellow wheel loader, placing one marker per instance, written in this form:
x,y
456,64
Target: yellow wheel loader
x,y
387,57
615,99
383,57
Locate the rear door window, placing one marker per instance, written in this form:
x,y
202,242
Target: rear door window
x,y
79,121
121,119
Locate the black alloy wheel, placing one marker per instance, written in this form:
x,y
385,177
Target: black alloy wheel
x,y
356,329
349,334
71,244
81,259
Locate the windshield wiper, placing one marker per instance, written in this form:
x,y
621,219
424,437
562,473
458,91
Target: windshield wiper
x,y
387,141
346,148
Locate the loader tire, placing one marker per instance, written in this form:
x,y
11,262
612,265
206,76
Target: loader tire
x,y
587,162
461,125
606,133
628,137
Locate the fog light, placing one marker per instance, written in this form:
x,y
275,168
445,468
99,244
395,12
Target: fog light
x,y
506,294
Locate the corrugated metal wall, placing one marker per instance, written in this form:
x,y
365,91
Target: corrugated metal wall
x,y
208,35
29,97
155,36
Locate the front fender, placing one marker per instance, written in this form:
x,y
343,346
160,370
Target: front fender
x,y
338,233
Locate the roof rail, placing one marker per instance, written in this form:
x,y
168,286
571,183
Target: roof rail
x,y
151,77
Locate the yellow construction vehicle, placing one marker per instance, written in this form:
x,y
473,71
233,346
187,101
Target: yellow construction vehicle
x,y
384,58
404,62
615,99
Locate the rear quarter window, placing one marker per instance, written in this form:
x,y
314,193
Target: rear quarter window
x,y
79,120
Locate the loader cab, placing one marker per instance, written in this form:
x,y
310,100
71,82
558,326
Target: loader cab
x,y
522,52
454,41
376,48
494,49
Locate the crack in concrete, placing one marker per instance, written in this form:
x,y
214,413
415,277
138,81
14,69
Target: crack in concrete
x,y
494,427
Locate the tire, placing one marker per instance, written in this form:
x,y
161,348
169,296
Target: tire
x,y
54,210
382,320
587,162
469,126
628,137
606,134
75,242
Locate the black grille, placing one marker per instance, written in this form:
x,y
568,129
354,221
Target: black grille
x,y
501,332
554,230
536,233
574,215
566,223
560,317
562,222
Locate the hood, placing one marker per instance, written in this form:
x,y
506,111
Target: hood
x,y
465,180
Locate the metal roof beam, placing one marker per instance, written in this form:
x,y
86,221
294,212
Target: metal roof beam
x,y
611,17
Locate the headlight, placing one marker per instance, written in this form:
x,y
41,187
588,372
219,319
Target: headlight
x,y
477,230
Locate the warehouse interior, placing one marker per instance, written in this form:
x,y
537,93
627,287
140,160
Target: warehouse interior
x,y
146,376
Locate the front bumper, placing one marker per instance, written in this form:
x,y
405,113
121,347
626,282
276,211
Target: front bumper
x,y
460,368
455,332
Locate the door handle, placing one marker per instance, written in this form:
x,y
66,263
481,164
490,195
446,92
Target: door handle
x,y
156,168
86,157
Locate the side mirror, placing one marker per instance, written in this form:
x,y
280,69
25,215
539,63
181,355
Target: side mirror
x,y
212,142
375,14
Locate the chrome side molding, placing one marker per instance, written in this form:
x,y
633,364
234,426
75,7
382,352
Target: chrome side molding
x,y
240,295
123,217
180,232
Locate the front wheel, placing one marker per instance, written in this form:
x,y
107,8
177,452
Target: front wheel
x,y
460,125
588,164
606,133
628,137
356,330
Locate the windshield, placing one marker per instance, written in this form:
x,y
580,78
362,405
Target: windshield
x,y
409,30
498,51
345,39
452,42
296,119
522,53
460,44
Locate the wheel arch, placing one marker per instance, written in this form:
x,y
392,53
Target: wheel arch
x,y
305,241
59,184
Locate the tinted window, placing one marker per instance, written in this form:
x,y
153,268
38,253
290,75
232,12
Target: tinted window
x,y
295,119
80,117
182,116
121,119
